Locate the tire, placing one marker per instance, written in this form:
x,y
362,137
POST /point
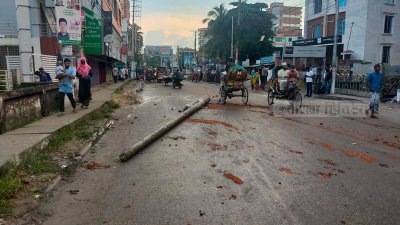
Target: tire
x,y
271,97
222,94
297,101
245,96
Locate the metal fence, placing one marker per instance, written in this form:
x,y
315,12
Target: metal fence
x,y
354,82
8,30
5,84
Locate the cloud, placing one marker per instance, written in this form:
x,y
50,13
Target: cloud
x,y
165,37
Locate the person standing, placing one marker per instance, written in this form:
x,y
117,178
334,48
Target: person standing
x,y
328,80
374,82
84,73
47,75
115,73
309,81
253,78
264,76
122,74
65,83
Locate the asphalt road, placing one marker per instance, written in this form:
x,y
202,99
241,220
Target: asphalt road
x,y
235,164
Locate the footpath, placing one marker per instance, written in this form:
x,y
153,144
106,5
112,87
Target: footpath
x,y
36,135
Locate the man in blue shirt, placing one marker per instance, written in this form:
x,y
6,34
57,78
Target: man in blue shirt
x,y
65,84
374,83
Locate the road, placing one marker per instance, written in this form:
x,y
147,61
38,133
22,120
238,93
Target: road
x,y
235,164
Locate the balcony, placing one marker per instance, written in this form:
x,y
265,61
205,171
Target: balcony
x,y
8,30
47,30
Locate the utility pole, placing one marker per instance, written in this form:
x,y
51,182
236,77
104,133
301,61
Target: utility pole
x,y
232,40
195,46
335,59
133,63
237,38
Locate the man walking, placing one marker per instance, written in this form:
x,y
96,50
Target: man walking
x,y
374,82
115,73
309,81
65,83
328,80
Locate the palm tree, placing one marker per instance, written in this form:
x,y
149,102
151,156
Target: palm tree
x,y
216,13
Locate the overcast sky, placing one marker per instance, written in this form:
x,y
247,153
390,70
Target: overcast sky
x,y
172,22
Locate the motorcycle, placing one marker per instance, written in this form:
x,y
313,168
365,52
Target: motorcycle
x,y
176,82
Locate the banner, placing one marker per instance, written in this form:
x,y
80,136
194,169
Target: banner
x,y
92,37
68,14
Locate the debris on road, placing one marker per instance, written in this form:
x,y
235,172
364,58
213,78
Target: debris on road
x,y
216,147
343,222
384,165
220,186
185,107
233,178
213,165
176,138
297,152
73,192
233,197
93,166
202,213
286,170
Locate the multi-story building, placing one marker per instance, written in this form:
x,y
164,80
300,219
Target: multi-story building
x,y
368,29
125,10
286,24
202,39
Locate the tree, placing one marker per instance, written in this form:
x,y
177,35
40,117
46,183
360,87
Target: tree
x,y
256,21
216,13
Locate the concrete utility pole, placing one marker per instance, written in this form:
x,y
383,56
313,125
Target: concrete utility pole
x,y
334,57
195,46
232,40
133,63
237,39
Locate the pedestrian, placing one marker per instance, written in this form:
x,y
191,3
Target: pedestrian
x,y
281,80
84,73
42,77
328,79
309,81
115,74
264,76
374,82
122,74
65,83
47,75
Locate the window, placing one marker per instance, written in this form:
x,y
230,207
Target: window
x,y
342,3
316,31
317,6
341,27
388,25
386,54
389,1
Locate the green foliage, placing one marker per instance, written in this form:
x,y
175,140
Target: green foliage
x,y
255,21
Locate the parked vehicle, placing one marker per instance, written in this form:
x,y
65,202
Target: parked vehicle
x,y
140,73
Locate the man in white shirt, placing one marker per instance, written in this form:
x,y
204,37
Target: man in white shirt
x,y
282,76
115,74
309,81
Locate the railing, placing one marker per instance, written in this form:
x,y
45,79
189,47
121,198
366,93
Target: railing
x,y
4,81
354,82
45,30
8,30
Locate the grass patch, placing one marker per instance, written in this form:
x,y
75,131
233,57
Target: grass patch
x,y
36,163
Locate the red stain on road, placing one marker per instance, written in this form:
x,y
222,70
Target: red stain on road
x,y
93,166
286,170
246,161
233,178
312,143
212,122
329,147
216,147
392,157
361,156
325,175
210,132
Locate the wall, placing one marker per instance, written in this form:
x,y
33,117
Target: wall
x,y
7,12
22,107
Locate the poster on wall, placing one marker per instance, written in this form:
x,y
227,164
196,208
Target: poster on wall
x,y
68,14
92,37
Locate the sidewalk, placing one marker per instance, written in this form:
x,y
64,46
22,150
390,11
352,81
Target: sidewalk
x,y
36,136
340,97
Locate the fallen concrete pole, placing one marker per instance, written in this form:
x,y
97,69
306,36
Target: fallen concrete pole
x,y
128,154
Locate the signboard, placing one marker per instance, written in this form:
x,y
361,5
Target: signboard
x,y
68,14
267,60
92,38
159,51
258,62
317,41
305,52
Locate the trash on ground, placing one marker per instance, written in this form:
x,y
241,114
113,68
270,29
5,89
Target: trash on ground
x,y
93,166
202,213
73,192
233,178
233,197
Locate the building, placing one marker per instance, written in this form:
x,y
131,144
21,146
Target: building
x,y
202,39
371,36
286,24
125,14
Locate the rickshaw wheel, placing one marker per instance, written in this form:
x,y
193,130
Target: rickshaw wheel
x,y
271,97
245,96
297,101
222,94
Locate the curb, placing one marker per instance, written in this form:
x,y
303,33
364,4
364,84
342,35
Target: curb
x,y
337,98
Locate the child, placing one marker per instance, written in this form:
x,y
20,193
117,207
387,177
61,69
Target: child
x,y
59,70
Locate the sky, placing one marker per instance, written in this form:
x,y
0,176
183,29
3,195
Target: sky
x,y
173,22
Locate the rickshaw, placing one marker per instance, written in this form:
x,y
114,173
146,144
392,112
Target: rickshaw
x,y
140,73
196,75
233,85
149,75
291,93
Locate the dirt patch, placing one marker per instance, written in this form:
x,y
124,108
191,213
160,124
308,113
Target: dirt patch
x,y
126,96
213,122
286,170
233,178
